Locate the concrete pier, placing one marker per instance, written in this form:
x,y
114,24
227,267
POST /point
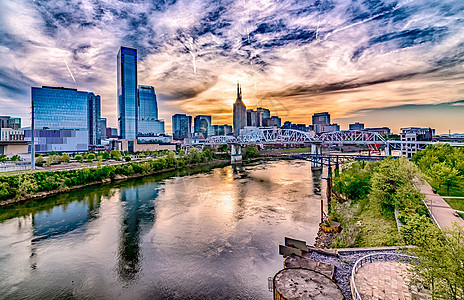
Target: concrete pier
x,y
235,153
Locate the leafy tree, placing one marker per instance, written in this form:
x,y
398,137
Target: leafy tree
x,y
440,263
115,154
251,151
39,160
15,158
49,160
106,155
127,158
65,157
3,158
445,175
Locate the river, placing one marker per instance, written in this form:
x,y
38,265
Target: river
x,y
213,234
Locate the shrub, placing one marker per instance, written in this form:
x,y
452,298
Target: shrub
x,y
91,156
78,157
65,157
115,154
106,155
15,158
127,158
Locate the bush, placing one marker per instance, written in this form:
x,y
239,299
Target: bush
x,y
106,155
127,158
15,158
251,151
91,156
115,154
78,157
65,157
39,160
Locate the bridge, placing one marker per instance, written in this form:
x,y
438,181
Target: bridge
x,y
279,136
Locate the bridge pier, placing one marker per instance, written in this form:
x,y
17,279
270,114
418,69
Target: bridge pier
x,y
316,163
387,149
235,153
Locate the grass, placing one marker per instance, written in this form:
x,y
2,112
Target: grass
x,y
364,226
297,150
457,204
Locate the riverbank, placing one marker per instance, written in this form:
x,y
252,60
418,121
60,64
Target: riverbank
x,y
102,175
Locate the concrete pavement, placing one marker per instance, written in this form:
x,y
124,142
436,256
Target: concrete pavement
x,y
441,212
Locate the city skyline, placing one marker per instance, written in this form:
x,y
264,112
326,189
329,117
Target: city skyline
x,y
388,63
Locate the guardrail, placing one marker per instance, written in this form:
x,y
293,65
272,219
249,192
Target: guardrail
x,y
385,256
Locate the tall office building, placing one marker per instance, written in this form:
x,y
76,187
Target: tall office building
x,y
64,119
181,126
102,126
202,126
127,93
265,113
240,113
94,113
147,121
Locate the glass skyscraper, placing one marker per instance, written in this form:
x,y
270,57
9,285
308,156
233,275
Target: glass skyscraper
x,y
181,126
65,119
127,93
94,119
202,126
147,121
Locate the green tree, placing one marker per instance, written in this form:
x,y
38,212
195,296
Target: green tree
x,y
49,160
39,160
91,156
78,157
440,263
3,158
115,154
15,158
445,175
65,157
251,151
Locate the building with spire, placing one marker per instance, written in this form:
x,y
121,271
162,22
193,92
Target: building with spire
x,y
240,113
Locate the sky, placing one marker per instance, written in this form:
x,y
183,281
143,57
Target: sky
x,y
384,63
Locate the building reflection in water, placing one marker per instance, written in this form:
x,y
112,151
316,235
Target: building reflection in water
x,y
138,215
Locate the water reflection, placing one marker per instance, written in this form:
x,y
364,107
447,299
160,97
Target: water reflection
x,y
208,235
138,205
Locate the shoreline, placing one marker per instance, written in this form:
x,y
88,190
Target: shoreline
x,y
117,178
215,163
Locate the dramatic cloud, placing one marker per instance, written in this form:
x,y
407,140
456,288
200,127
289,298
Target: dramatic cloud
x,y
355,59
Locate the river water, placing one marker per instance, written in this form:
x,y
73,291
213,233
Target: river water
x,y
213,234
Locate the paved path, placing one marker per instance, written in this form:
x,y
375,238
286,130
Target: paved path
x,y
385,280
441,211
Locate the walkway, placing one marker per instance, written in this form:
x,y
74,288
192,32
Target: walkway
x,y
385,280
440,210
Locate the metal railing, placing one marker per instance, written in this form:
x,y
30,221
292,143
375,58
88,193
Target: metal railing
x,y
384,256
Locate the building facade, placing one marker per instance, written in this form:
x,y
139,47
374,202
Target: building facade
x,y
148,123
94,117
102,126
181,126
356,126
58,111
9,122
202,126
127,92
239,112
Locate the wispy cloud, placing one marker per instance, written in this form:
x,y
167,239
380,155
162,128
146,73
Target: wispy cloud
x,y
297,57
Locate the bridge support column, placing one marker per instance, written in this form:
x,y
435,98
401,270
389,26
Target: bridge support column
x,y
387,149
235,153
316,163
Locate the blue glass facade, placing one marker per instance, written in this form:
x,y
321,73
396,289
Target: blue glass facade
x,y
181,126
127,93
63,117
202,125
60,108
147,122
94,103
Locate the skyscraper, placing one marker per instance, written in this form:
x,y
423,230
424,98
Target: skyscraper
x,y
94,113
240,114
147,121
181,126
202,126
127,93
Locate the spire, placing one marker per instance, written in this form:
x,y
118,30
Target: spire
x,y
238,89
